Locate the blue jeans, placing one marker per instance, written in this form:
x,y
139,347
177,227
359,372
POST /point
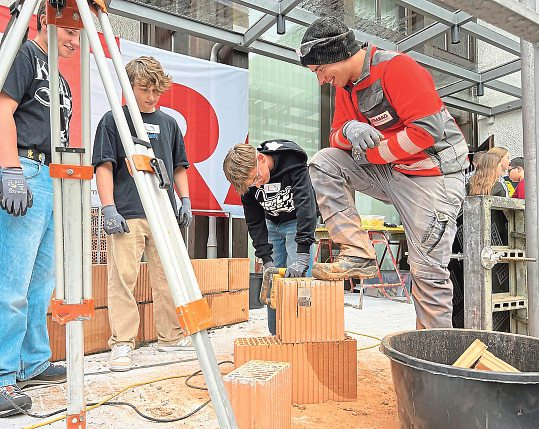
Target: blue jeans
x,y
26,281
282,237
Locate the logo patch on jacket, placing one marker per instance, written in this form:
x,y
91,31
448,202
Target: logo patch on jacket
x,y
273,145
381,119
281,202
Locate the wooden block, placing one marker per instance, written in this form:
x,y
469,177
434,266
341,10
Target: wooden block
x,y
229,307
489,362
211,274
471,355
238,273
309,310
321,372
261,394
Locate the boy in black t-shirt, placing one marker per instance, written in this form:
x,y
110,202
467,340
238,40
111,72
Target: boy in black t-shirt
x,y
26,218
124,218
278,202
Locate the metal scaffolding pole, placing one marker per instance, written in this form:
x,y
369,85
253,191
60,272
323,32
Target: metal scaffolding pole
x,y
522,20
529,103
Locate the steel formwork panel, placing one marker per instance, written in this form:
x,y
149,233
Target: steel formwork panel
x,y
479,300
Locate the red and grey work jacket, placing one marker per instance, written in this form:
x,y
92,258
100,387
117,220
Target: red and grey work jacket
x,y
397,96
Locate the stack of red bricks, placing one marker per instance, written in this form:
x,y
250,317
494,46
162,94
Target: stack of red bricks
x,y
310,337
224,283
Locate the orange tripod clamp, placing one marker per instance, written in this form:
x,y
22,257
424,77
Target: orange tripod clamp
x,y
65,13
64,313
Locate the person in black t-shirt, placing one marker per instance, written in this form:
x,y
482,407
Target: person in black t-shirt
x,y
26,218
124,217
279,204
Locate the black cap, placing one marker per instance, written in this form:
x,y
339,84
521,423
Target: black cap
x,y
336,42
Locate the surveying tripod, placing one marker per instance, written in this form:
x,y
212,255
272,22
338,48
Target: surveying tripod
x,y
71,171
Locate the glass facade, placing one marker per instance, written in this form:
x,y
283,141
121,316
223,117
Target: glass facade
x,y
284,102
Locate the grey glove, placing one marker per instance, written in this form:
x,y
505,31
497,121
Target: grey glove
x,y
114,221
362,136
300,267
15,195
185,215
267,265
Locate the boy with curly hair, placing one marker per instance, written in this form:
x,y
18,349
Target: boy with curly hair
x,y
129,234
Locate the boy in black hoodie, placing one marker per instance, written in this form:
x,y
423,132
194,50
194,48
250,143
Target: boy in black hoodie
x,y
278,202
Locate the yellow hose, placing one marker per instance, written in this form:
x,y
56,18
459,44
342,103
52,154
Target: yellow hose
x,y
367,336
142,383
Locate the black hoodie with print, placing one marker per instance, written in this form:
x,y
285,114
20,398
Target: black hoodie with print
x,y
288,195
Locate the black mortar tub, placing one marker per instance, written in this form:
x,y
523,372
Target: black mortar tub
x,y
432,394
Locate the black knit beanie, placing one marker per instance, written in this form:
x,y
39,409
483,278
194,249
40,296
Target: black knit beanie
x,y
340,44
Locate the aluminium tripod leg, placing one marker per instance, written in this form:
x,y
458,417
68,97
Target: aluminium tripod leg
x,y
13,40
71,172
162,219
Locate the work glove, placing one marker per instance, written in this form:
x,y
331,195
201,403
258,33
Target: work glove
x,y
267,265
114,221
361,135
15,195
300,267
185,215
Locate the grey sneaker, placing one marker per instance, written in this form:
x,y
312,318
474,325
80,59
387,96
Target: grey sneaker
x,y
185,344
10,395
120,357
54,374
346,267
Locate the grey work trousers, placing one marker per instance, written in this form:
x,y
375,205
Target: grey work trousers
x,y
428,207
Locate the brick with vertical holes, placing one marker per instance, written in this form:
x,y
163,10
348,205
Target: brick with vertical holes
x,y
309,310
321,372
260,393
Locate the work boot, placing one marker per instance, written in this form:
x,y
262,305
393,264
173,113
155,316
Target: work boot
x,y
10,395
54,374
346,267
120,357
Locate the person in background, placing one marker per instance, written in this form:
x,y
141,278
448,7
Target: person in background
x,y
486,181
503,153
516,175
279,204
27,275
475,159
129,234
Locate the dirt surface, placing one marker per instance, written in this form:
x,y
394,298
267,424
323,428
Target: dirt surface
x,y
375,407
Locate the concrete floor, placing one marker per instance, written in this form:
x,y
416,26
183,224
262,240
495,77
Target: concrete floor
x,y
169,399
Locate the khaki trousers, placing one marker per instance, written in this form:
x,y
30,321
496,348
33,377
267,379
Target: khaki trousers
x,y
428,208
124,253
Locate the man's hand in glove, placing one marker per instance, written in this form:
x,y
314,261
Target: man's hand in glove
x,y
361,135
300,267
15,195
114,221
185,215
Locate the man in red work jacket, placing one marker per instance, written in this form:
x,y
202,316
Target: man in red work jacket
x,y
393,139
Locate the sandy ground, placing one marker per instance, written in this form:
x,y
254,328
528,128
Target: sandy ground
x,y
375,407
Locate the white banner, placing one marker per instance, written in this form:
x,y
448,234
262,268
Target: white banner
x,y
210,103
